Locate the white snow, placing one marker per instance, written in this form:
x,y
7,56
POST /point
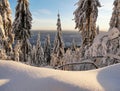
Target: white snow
x,y
20,77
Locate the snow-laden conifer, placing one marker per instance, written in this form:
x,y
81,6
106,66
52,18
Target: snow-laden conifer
x,y
58,42
40,60
22,25
17,50
115,19
73,47
108,44
85,19
5,13
98,30
58,50
47,49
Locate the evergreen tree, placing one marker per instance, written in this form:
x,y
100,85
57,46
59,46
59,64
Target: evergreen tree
x,y
58,43
5,13
47,50
2,36
85,19
2,33
17,51
73,47
40,61
58,50
115,20
98,30
22,25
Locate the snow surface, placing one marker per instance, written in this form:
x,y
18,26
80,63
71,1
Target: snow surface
x,y
15,76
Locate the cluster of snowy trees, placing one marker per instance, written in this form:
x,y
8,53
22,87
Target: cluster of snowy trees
x,y
19,30
101,48
94,44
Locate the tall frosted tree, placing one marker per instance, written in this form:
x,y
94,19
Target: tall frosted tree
x,y
85,19
115,19
58,50
2,32
40,60
58,42
2,36
5,13
47,49
22,25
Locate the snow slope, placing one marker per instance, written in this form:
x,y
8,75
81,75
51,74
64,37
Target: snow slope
x,y
20,77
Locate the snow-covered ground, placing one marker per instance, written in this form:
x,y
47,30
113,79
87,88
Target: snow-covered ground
x,y
20,77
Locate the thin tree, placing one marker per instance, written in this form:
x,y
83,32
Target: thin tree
x,y
58,42
22,25
85,19
47,49
58,50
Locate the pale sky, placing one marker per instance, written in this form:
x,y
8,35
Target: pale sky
x,y
44,13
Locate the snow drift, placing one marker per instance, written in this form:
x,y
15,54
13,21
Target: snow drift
x,y
20,77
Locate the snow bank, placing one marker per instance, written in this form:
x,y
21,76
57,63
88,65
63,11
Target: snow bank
x,y
20,77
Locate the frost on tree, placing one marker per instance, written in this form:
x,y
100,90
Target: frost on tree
x,y
2,33
73,47
107,46
85,19
115,19
98,30
47,49
22,25
2,37
17,50
5,13
40,60
58,50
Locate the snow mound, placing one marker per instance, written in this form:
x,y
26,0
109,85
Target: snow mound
x,y
20,77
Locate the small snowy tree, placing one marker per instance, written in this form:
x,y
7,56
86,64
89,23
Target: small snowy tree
x,y
115,19
5,13
58,50
17,50
73,47
22,25
98,30
40,60
85,19
33,55
47,50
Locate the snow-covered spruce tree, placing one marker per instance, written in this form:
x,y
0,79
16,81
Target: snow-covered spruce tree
x,y
47,49
58,50
108,44
85,19
115,19
73,47
98,30
17,50
22,25
5,13
2,36
2,33
40,60
33,55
